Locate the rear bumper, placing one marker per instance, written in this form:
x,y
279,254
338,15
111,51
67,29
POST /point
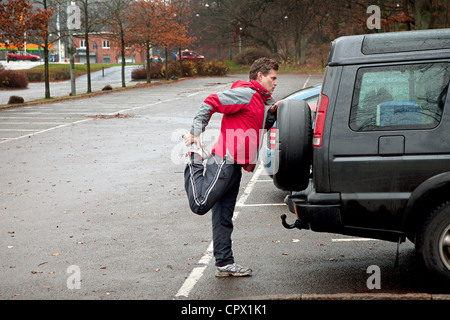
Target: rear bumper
x,y
323,215
322,212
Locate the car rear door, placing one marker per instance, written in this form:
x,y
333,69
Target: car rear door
x,y
386,139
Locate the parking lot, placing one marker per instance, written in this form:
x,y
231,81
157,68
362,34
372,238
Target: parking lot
x,y
93,188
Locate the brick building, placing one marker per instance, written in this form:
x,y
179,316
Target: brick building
x,y
103,50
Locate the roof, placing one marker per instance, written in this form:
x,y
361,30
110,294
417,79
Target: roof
x,y
390,46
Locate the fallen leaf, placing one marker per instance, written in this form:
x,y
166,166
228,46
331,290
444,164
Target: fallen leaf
x,y
55,254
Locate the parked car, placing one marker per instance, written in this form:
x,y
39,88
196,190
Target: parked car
x,y
310,95
380,146
189,55
156,59
21,55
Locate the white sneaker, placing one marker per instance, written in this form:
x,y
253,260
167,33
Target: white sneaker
x,y
233,270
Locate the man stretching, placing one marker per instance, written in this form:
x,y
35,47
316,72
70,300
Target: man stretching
x,y
248,109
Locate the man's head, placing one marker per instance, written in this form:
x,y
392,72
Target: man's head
x,y
264,71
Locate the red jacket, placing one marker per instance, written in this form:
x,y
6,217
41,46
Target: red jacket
x,y
243,123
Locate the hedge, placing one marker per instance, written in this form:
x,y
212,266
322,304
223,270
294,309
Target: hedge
x,y
12,79
190,69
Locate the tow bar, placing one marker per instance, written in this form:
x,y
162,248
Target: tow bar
x,y
297,224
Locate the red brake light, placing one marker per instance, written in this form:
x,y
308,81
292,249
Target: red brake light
x,y
272,138
320,121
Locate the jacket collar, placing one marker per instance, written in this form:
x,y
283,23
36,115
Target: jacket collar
x,y
255,85
258,87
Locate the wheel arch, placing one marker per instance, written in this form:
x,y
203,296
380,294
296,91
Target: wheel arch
x,y
423,200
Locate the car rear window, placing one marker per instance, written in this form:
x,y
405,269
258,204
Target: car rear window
x,y
399,97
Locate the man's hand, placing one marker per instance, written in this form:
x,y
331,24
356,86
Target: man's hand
x,y
274,108
190,139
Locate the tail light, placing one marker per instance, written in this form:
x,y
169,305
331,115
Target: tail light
x,y
272,137
320,121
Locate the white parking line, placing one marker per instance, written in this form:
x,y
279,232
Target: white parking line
x,y
304,86
76,122
197,272
353,239
31,122
42,131
34,118
18,130
261,204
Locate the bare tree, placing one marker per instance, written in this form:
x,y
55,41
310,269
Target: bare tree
x,y
90,22
115,16
45,36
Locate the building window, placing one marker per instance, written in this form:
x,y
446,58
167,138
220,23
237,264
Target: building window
x,y
82,43
106,58
105,44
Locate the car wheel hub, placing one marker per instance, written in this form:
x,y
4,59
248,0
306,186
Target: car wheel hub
x,y
444,247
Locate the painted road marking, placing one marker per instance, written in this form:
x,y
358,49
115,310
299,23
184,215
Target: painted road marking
x,y
80,121
353,239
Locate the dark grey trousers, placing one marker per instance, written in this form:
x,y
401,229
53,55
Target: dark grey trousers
x,y
215,188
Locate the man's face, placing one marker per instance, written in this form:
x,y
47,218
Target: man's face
x,y
269,82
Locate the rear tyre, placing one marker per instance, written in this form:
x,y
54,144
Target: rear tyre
x,y
293,153
433,242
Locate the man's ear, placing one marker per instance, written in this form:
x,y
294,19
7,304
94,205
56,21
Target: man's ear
x,y
259,76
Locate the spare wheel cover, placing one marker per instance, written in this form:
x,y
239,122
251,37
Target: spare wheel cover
x,y
293,140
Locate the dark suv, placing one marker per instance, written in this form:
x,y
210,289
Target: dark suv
x,y
380,149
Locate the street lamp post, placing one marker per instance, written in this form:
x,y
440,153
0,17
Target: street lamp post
x,y
73,23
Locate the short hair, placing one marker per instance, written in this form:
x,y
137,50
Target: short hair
x,y
263,65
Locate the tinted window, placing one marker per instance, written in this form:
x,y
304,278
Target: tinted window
x,y
399,97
